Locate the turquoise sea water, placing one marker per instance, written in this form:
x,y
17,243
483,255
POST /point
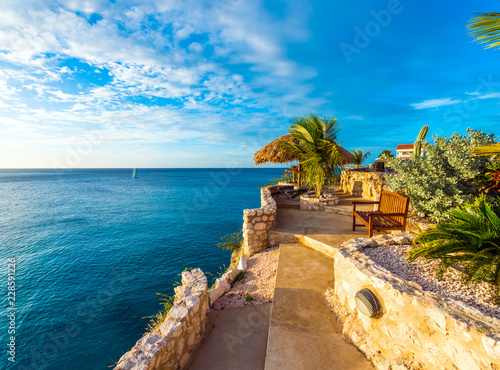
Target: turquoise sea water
x,y
93,247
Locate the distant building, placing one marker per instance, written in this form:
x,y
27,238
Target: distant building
x,y
404,151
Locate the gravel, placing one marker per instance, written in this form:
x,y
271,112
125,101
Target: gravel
x,y
481,296
258,285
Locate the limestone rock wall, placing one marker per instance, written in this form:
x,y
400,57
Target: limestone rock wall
x,y
170,346
312,203
363,184
418,329
223,284
258,221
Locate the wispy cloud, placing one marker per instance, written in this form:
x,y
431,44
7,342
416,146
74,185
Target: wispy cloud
x,y
159,72
355,118
493,95
197,73
435,103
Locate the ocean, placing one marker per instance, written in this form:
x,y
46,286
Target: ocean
x,y
92,247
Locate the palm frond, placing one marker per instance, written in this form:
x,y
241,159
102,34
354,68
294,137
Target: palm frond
x,y
359,157
314,144
471,237
485,28
493,149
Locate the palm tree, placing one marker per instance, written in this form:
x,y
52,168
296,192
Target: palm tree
x,y
316,147
358,157
386,154
485,28
471,238
294,172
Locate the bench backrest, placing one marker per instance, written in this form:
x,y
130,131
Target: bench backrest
x,y
394,203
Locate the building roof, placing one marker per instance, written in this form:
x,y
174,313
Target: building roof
x,y
407,146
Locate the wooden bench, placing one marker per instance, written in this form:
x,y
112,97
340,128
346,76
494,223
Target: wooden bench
x,y
391,213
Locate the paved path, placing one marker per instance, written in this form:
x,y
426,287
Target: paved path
x,y
303,330
302,333
236,338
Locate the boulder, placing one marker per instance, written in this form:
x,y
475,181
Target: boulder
x,y
242,265
230,276
221,287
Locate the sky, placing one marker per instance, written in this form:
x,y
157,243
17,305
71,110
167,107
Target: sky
x,y
194,83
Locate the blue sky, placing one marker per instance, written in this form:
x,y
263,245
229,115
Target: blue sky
x,y
161,83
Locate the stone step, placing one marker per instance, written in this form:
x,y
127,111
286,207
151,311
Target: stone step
x,y
303,332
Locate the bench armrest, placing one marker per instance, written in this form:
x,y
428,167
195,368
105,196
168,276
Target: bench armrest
x,y
354,202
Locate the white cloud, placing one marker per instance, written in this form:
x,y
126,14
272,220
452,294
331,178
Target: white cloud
x,y
435,103
493,95
52,57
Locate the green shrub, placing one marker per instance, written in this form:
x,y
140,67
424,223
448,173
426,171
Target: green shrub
x,y
231,242
444,178
215,276
167,301
241,276
469,238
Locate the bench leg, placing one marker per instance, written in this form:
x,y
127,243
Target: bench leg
x,y
353,222
370,228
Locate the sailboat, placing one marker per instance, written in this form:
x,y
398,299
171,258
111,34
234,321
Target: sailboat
x,y
133,175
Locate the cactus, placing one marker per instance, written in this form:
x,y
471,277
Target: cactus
x,y
417,147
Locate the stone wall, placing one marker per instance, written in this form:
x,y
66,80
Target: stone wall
x,y
258,221
363,184
170,345
417,329
312,203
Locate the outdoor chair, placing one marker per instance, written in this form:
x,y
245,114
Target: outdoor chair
x,y
391,213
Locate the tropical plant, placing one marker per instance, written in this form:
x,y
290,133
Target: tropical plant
x,y
469,238
445,178
386,154
417,147
276,181
494,179
294,172
485,28
358,157
316,148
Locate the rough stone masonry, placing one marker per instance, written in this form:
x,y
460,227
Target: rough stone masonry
x,y
418,329
258,221
170,345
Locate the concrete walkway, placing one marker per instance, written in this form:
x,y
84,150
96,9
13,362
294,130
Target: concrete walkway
x,y
303,330
236,338
332,227
300,331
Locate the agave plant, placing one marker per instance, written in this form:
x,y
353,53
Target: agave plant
x,y
470,238
485,28
316,147
358,157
